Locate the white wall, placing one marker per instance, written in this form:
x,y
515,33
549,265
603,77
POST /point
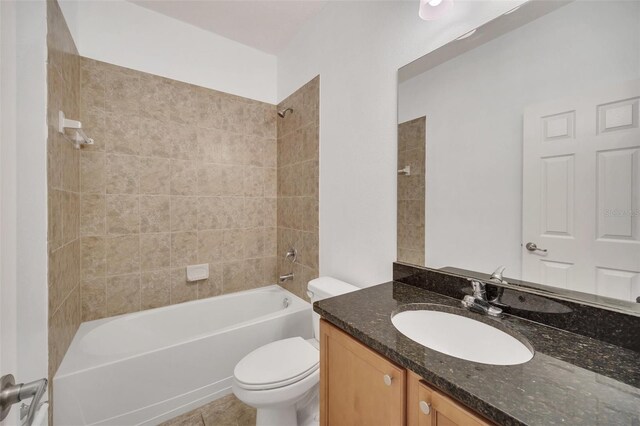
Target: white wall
x,y
474,106
357,48
131,36
23,205
8,288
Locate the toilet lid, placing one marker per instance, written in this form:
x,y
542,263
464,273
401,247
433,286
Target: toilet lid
x,y
277,364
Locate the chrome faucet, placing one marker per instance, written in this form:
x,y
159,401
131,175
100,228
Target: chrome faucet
x,y
497,275
478,302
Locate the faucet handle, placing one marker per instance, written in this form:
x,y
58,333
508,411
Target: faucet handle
x,y
479,289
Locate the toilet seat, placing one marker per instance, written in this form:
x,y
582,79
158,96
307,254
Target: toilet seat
x,y
277,364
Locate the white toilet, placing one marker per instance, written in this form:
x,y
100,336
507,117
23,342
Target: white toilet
x,y
281,378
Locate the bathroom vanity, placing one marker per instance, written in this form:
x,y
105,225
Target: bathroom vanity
x,y
359,386
373,373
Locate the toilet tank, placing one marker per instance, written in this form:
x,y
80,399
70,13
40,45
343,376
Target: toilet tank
x,y
322,288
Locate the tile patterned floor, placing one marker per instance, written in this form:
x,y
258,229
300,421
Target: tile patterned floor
x,y
226,411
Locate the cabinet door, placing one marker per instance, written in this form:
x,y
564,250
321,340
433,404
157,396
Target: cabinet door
x,y
428,407
358,386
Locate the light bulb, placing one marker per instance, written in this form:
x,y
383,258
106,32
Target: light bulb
x,y
431,10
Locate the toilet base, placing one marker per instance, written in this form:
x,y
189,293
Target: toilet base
x,y
282,416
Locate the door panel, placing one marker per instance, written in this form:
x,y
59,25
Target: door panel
x,y
581,192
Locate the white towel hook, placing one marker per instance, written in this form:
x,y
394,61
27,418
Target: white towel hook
x,y
79,137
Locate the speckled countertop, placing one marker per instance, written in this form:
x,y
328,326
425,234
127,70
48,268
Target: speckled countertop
x,y
571,380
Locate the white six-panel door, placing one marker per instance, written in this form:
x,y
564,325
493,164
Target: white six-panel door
x,y
581,192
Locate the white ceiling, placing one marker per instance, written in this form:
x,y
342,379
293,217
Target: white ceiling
x,y
263,24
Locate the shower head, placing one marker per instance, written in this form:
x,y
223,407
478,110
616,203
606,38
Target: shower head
x,y
284,112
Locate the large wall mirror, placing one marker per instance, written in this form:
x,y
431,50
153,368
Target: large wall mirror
x,y
519,145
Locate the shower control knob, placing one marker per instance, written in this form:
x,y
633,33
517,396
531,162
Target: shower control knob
x,y
425,407
387,379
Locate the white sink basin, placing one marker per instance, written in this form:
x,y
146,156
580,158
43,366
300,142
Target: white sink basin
x,y
461,337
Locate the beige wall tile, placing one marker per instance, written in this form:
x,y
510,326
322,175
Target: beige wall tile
x,y
221,213
92,214
178,176
94,298
297,186
155,138
122,174
70,216
254,181
219,179
411,152
63,180
64,274
93,257
123,294
184,249
123,214
155,175
233,244
233,276
184,144
70,167
184,178
92,81
94,121
181,290
270,218
184,213
254,210
155,99
155,251
210,246
92,171
123,90
155,288
213,285
254,243
121,133
123,254
55,218
183,105
155,214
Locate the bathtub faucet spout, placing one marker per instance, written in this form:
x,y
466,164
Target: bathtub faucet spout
x,y
286,277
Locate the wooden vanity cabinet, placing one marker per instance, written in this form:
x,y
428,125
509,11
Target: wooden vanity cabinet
x,y
428,407
359,387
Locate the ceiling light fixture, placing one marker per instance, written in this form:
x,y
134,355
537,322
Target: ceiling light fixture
x,y
431,10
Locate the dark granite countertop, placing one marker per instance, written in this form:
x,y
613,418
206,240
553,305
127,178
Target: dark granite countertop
x,y
571,380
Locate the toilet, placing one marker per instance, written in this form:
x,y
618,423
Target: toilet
x,y
281,379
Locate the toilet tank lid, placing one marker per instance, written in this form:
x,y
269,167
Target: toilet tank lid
x,y
324,287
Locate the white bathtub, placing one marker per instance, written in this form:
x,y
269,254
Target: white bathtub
x,y
147,367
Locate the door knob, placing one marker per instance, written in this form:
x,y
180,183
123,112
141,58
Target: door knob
x,y
387,379
425,407
534,247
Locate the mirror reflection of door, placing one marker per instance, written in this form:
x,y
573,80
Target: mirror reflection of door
x,y
411,191
581,193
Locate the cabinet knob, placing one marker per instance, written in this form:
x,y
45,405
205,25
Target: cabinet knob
x,y
425,407
387,379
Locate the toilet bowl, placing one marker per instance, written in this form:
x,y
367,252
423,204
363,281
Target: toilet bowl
x,y
281,379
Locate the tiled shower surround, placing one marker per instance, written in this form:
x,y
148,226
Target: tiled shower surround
x,y
298,140
179,175
411,191
63,181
